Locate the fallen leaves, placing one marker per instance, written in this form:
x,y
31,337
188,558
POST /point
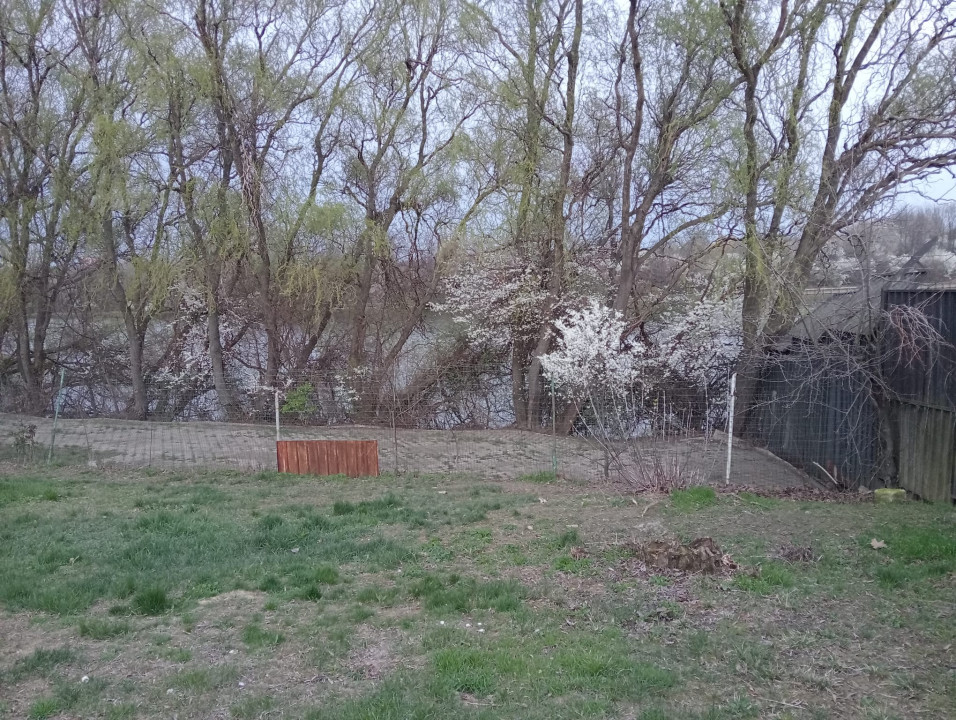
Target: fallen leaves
x,y
877,544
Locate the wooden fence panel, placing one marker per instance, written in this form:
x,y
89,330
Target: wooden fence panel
x,y
354,458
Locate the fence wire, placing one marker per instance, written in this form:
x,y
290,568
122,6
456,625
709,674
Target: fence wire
x,y
453,420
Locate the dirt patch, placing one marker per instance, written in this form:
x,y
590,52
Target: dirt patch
x,y
805,494
372,661
504,454
20,637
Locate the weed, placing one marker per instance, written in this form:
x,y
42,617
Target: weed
x,y
666,474
377,595
121,711
254,707
755,660
572,565
204,680
44,708
24,440
764,503
569,538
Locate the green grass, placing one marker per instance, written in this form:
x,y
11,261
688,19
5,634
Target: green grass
x,y
67,698
255,636
21,489
100,629
453,592
695,498
769,578
151,601
361,600
190,549
40,662
542,477
912,554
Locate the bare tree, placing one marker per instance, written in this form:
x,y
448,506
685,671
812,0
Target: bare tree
x,y
812,69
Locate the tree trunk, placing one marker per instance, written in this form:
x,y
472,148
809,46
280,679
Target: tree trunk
x,y
214,339
136,367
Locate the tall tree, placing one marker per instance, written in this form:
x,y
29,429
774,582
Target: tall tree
x,y
870,72
43,124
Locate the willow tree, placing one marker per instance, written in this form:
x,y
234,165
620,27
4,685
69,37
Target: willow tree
x,y
532,79
275,73
43,125
406,134
130,181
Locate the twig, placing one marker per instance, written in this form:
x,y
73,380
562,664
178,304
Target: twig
x,y
826,473
649,506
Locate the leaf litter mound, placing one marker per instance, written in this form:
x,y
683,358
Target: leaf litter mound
x,y
702,555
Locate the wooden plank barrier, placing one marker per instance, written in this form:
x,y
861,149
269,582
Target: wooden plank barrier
x,y
355,458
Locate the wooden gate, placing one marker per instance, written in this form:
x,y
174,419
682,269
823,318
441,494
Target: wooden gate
x,y
355,458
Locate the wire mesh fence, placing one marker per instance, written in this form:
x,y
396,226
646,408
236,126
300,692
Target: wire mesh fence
x,y
456,419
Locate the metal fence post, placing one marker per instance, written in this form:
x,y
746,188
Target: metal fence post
x,y
278,437
730,425
554,434
56,414
394,426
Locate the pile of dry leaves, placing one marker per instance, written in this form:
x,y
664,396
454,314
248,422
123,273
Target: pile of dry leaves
x,y
702,555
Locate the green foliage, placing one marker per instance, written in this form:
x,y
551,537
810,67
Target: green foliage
x,y
298,401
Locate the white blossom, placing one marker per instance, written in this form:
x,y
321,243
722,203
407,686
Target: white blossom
x,y
589,350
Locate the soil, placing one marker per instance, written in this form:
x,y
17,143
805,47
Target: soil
x,y
505,454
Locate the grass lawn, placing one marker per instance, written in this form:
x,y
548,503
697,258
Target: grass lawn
x,y
228,595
